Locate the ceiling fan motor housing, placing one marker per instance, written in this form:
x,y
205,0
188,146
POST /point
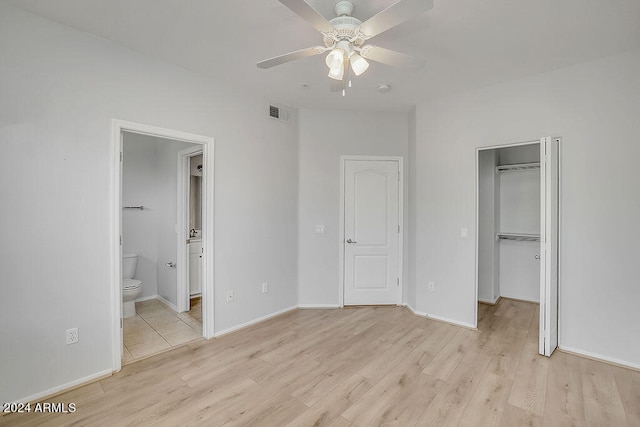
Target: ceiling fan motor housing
x,y
344,28
343,8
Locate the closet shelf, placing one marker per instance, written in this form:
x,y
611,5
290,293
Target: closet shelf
x,y
521,237
518,167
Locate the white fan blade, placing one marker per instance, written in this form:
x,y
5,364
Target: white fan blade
x,y
291,56
391,57
309,14
397,13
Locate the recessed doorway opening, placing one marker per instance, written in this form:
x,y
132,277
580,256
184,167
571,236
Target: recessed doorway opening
x,y
157,228
517,223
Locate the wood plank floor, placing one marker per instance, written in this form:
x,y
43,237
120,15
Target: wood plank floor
x,y
361,367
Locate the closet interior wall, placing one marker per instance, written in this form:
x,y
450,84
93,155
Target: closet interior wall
x,y
509,202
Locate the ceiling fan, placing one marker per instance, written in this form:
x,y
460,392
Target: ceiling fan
x,y
345,39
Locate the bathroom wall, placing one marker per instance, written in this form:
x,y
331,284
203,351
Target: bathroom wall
x,y
149,178
195,193
139,227
167,190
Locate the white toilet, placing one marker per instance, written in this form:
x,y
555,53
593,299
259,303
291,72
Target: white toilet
x,y
131,287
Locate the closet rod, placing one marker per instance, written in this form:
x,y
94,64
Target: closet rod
x,y
521,237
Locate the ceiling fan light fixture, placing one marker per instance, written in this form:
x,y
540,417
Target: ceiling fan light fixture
x,y
336,73
358,64
335,58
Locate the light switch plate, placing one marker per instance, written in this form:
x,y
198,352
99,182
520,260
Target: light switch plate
x,y
463,232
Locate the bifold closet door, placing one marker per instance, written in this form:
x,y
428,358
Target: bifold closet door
x,y
549,201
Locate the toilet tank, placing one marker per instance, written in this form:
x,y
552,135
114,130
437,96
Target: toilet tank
x,y
129,262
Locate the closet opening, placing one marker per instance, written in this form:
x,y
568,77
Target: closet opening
x,y
517,239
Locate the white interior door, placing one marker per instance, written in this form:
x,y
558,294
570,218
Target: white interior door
x,y
371,232
549,199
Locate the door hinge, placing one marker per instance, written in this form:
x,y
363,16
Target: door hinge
x,y
397,281
398,176
398,229
121,156
121,240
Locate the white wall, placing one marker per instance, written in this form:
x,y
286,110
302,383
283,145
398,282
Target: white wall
x,y
149,178
410,225
594,108
60,90
520,213
325,136
488,218
167,188
139,227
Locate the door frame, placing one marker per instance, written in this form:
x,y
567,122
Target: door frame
x,y
477,243
207,143
182,261
343,160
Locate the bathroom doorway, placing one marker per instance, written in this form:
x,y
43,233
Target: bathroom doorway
x,y
190,249
148,210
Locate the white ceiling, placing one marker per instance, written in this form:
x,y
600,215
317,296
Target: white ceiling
x,y
467,43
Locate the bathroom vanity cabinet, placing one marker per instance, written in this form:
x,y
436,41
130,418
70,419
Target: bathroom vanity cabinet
x,y
195,267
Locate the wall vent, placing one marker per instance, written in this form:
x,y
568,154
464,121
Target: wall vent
x,y
279,113
274,111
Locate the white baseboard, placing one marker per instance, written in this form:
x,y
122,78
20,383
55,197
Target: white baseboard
x,y
413,310
520,299
147,298
167,303
494,302
159,298
253,322
440,319
65,387
320,306
599,357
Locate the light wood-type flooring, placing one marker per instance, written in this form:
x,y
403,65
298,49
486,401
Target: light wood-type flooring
x,y
363,366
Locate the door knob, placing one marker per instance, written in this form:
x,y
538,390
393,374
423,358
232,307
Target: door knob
x,y
351,241
537,256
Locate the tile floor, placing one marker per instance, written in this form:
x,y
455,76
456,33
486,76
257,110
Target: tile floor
x,y
156,328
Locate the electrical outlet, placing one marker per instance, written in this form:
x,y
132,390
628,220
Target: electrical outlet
x,y
431,286
229,296
72,336
265,288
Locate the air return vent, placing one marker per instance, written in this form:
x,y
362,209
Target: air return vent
x,y
279,112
